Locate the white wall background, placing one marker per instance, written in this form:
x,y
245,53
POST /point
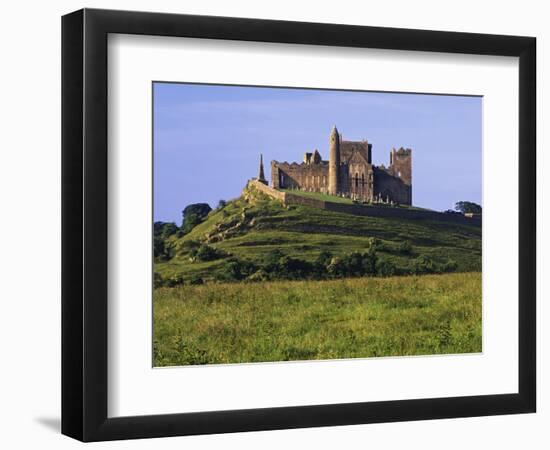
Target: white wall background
x,y
30,229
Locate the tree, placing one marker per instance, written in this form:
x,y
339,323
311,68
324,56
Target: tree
x,y
235,270
385,268
193,215
324,258
207,253
161,232
354,264
369,262
468,207
337,267
221,204
271,259
405,248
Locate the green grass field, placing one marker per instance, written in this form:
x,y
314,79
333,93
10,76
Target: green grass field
x,y
364,317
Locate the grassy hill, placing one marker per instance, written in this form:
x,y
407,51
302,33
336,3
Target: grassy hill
x,y
253,226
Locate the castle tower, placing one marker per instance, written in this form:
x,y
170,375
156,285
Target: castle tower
x,y
334,162
261,176
401,167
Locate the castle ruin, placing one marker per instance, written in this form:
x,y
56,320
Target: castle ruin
x,y
349,172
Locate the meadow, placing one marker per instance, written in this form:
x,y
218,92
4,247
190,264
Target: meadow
x,y
223,323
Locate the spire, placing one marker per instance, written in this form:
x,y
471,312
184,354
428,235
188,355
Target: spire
x,y
261,176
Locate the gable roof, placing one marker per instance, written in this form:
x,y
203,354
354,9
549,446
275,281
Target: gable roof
x,y
357,157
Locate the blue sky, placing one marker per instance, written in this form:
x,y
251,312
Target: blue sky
x,y
207,139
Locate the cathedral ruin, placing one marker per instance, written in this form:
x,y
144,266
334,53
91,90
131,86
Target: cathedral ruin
x,y
349,172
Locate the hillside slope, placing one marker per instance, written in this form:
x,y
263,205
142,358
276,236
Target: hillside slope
x,y
253,226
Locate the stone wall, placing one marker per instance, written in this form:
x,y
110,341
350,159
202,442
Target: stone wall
x,y
288,198
308,177
391,187
273,193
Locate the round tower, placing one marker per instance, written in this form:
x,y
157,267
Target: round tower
x,y
334,162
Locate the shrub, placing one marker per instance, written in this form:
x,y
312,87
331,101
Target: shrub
x,y
369,262
271,260
207,253
235,270
190,247
424,264
158,247
293,268
162,250
337,267
164,229
374,243
196,280
354,264
259,275
449,266
405,248
157,280
324,258
174,280
385,268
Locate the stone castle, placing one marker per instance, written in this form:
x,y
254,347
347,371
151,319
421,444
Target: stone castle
x,y
349,172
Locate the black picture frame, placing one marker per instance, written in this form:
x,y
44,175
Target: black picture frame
x,y
84,224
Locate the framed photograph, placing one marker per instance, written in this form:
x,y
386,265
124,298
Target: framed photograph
x,y
273,224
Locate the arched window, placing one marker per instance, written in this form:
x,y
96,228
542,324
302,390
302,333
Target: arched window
x,y
362,179
356,179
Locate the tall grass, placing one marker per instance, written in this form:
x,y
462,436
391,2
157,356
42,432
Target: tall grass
x,y
308,320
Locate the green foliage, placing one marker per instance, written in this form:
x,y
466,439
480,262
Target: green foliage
x,y
324,258
385,268
259,275
405,248
425,264
193,215
468,207
369,262
236,270
173,281
189,247
159,250
162,249
293,268
205,252
196,280
157,280
337,267
164,229
222,323
271,259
